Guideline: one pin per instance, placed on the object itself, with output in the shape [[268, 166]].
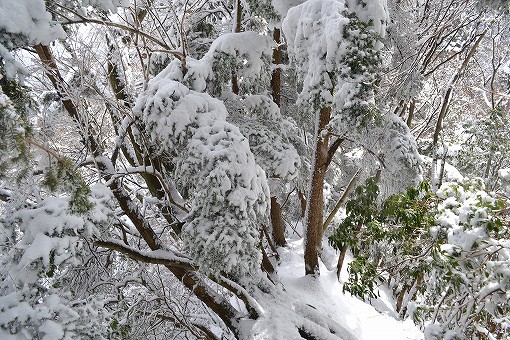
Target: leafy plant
[[443, 255]]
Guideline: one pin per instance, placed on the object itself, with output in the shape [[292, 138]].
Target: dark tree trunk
[[237, 29], [277, 223], [276, 209], [277, 60], [315, 204], [340, 262]]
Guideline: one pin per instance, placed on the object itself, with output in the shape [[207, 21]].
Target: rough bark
[[237, 29], [410, 116], [340, 261], [302, 202], [278, 229], [277, 60], [315, 204]]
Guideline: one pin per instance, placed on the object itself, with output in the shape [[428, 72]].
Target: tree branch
[[342, 199], [160, 257]]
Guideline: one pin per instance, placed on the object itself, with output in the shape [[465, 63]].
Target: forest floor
[[375, 321]]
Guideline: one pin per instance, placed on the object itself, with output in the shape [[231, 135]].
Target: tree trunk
[[277, 60], [340, 262], [277, 223], [410, 116], [488, 166], [442, 167], [276, 210], [302, 203], [315, 204], [237, 29]]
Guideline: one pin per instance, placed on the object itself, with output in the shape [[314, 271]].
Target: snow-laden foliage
[[313, 33], [13, 131], [388, 146], [485, 147], [335, 46], [445, 256], [29, 19], [245, 54], [264, 8], [504, 175], [216, 170], [468, 290], [174, 247], [270, 145], [24, 23], [41, 245]]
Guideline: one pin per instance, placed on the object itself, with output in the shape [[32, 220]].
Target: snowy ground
[[325, 294]]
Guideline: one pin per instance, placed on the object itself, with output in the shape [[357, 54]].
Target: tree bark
[[237, 29], [340, 261], [315, 204], [410, 116], [302, 203], [277, 60], [278, 229]]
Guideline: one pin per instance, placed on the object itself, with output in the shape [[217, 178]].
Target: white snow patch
[[325, 295]]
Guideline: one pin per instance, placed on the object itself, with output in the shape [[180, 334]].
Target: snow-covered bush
[[13, 131], [504, 175], [42, 244], [468, 287], [335, 46], [485, 146], [445, 256], [216, 169], [245, 54], [269, 143]]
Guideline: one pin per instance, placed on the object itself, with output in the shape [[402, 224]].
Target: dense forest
[[167, 164]]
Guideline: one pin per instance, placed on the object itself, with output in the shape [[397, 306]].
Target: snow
[[322, 44], [312, 30], [29, 18], [270, 145], [504, 174], [213, 159], [324, 293], [52, 330], [107, 5], [450, 172], [283, 6], [247, 53]]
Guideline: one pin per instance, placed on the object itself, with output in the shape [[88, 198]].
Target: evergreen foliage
[[443, 255], [135, 197]]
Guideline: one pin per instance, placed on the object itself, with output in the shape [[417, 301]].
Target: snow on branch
[[228, 191], [163, 257]]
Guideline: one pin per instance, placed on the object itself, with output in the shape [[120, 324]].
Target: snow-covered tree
[[155, 154]]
